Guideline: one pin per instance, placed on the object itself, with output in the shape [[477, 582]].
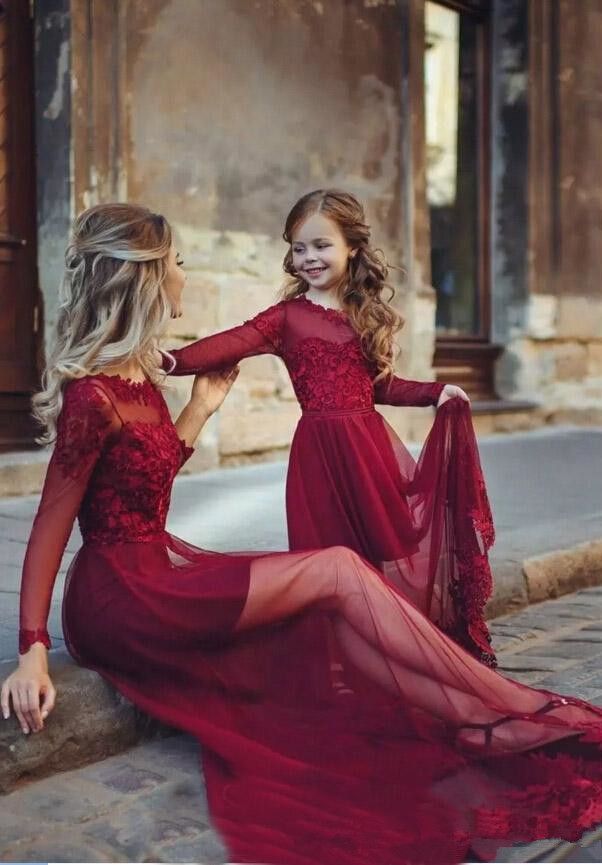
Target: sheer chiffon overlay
[[338, 724], [351, 481]]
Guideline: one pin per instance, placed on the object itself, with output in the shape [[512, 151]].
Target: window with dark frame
[[456, 61]]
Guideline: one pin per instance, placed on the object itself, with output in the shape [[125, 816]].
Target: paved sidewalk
[[544, 487], [149, 805]]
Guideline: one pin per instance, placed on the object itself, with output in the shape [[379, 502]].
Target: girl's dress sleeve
[[259, 335], [86, 421], [401, 391]]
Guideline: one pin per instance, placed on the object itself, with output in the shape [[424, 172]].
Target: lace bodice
[[322, 353], [116, 455]]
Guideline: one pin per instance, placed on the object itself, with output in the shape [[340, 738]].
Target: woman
[[338, 724]]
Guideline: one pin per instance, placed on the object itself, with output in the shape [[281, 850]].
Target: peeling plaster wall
[[233, 113]]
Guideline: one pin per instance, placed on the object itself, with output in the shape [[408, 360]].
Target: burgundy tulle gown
[[351, 481], [338, 725]]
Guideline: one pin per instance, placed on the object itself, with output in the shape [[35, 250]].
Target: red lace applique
[[28, 638], [129, 500], [82, 425], [564, 808], [327, 376], [269, 324]]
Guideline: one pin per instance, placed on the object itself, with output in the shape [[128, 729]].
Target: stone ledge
[[501, 406], [92, 721], [22, 472], [563, 571]]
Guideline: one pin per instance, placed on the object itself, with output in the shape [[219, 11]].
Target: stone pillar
[[417, 297], [556, 358]]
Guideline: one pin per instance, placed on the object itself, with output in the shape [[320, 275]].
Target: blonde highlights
[[361, 294], [112, 305]]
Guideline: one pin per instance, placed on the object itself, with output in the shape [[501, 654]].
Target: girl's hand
[[449, 392], [31, 690], [209, 391]]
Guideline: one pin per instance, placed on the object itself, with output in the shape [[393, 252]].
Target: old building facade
[[471, 130]]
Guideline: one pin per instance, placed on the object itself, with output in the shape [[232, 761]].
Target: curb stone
[[558, 573]]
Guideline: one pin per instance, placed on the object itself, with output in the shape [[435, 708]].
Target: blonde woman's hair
[[112, 305], [361, 293]]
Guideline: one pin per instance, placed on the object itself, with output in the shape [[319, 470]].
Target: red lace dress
[[427, 524], [338, 725]]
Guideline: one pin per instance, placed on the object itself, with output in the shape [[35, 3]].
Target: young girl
[[415, 753], [351, 481]]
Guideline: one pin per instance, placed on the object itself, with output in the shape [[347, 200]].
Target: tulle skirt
[[425, 523], [338, 725]]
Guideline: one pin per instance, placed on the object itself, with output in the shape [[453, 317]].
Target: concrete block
[[571, 361], [594, 359], [542, 312], [555, 574], [201, 309], [579, 317], [258, 430]]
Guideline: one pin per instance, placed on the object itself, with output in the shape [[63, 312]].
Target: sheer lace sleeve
[[260, 335], [401, 391], [85, 423]]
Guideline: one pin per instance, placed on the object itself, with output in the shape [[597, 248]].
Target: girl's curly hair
[[361, 294]]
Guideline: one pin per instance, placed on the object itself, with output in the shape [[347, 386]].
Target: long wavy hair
[[112, 305], [361, 294]]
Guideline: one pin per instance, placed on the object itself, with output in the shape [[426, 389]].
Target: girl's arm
[[86, 421], [401, 391], [260, 335]]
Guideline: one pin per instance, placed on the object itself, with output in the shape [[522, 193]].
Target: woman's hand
[[449, 392], [209, 391], [30, 689]]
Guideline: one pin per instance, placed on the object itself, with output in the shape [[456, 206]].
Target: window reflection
[[452, 166]]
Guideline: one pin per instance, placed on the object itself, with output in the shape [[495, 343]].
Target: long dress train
[[338, 725], [427, 524]]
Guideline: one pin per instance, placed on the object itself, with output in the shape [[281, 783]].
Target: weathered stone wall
[[221, 115], [556, 356]]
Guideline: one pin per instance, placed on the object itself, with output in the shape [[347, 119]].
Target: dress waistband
[[344, 412]]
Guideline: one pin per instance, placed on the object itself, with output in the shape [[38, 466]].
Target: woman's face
[[175, 279], [320, 252]]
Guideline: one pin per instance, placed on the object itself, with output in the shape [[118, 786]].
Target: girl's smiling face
[[320, 252]]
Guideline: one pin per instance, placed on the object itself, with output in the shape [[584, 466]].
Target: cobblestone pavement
[[148, 805]]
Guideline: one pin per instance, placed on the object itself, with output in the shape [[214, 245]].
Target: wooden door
[[19, 295]]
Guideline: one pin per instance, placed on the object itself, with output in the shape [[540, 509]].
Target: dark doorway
[[19, 294]]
